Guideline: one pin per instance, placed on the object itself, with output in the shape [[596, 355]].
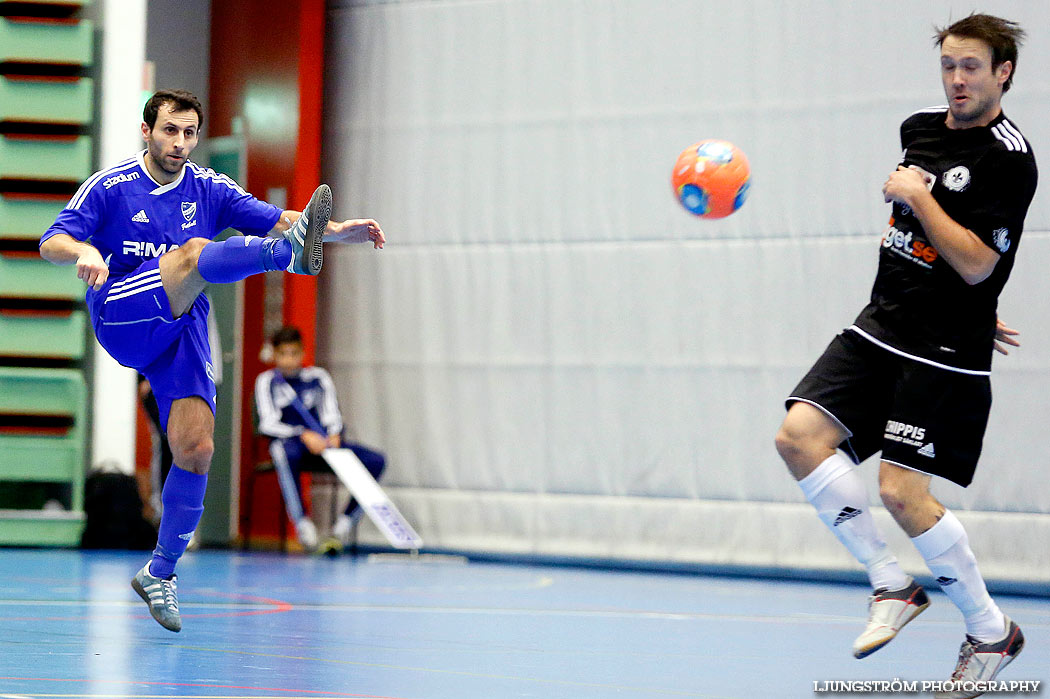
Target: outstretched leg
[[187, 270], [807, 442]]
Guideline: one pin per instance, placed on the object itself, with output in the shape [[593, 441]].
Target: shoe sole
[[137, 587], [313, 240], [868, 650]]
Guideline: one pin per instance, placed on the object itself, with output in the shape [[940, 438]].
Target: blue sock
[[242, 256], [183, 499]]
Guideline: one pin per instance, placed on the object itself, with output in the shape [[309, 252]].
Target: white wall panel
[[556, 357]]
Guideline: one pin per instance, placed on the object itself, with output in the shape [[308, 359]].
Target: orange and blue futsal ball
[[711, 178]]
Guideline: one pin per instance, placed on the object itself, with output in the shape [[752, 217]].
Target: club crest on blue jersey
[[189, 210]]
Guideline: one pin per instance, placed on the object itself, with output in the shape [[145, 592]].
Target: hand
[[355, 230], [335, 441], [91, 268], [1004, 336], [904, 185], [314, 442]]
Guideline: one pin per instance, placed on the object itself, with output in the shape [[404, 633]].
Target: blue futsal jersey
[[130, 218]]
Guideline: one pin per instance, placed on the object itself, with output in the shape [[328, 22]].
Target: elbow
[[977, 268], [45, 249], [977, 273]]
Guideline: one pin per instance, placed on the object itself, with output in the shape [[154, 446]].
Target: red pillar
[[300, 292], [260, 72]]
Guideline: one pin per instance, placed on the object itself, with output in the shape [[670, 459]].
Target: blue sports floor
[[266, 625]]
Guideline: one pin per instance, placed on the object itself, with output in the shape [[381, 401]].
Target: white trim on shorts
[[821, 408], [917, 470], [146, 281], [900, 353]]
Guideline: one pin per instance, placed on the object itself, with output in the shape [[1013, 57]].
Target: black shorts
[[919, 416]]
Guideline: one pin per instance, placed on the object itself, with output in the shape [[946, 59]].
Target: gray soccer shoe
[[889, 611], [307, 234], [979, 663], [162, 597]]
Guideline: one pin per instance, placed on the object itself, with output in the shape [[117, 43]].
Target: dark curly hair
[[1001, 35], [180, 100]]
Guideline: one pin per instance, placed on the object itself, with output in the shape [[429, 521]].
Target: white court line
[[794, 617], [125, 603]]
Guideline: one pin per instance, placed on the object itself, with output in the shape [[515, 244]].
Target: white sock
[[841, 499], [946, 549]]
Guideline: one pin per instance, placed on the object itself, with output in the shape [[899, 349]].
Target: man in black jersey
[[910, 377]]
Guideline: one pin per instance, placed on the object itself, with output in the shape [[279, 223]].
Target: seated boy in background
[[299, 409]]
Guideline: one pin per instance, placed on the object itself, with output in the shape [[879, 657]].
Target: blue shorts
[[132, 318]]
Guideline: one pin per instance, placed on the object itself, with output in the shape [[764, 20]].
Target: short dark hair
[[180, 101], [1001, 35], [285, 335]]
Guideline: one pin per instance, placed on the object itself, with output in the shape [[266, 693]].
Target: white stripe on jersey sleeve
[[1009, 140], [206, 173], [1008, 127], [81, 194]]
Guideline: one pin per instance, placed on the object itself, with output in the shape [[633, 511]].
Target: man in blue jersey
[[298, 408], [140, 236]]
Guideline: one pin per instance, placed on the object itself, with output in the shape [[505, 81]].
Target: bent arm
[[353, 230], [64, 249], [962, 249]]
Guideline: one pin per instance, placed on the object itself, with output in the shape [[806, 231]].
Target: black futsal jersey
[[984, 178]]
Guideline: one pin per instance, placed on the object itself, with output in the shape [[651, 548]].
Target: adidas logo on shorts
[[927, 450], [847, 514]]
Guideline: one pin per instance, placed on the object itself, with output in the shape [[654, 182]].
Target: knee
[[193, 452], [186, 254], [896, 496], [193, 246], [790, 443]]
